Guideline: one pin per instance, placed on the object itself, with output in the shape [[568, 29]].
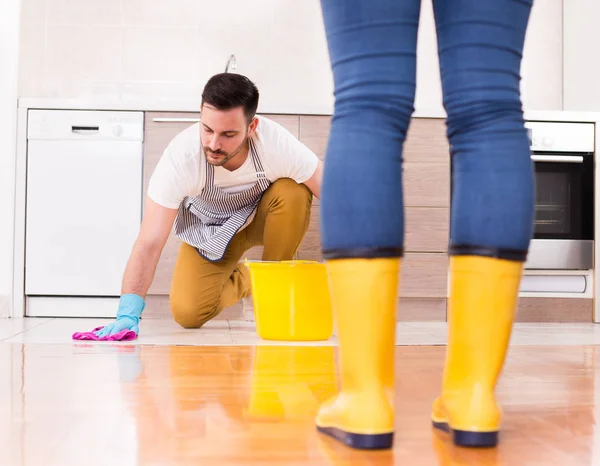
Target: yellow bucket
[[291, 300]]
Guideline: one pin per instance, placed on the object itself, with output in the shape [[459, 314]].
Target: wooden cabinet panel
[[314, 133], [165, 267], [426, 229], [555, 310], [426, 176], [310, 248], [426, 141], [426, 184], [158, 134], [289, 122], [424, 276], [421, 310]]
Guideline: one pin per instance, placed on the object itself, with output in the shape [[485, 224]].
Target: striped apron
[[210, 220]]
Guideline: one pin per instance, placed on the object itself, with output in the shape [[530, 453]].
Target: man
[[228, 183]]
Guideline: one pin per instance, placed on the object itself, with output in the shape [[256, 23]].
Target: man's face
[[223, 133]]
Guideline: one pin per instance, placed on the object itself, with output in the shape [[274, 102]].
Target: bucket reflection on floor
[[290, 382]]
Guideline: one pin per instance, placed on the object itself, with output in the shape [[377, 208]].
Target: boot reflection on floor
[[450, 455]]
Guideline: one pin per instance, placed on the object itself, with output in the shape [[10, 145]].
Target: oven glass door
[[564, 196]]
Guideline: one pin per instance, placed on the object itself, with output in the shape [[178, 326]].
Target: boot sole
[[464, 438], [360, 441]]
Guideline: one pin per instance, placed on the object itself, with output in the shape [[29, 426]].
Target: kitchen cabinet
[[424, 272], [160, 129], [426, 181]]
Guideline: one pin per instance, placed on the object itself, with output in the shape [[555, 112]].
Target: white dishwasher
[[84, 208]]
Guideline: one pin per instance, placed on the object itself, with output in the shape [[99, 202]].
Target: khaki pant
[[201, 289]]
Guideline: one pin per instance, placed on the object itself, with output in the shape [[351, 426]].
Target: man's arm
[[154, 232], [314, 182]]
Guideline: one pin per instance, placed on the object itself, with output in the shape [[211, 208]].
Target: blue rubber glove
[[128, 316]]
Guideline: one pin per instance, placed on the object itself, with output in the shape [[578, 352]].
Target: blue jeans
[[372, 47]]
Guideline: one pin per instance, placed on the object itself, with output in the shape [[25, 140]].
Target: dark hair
[[225, 91]]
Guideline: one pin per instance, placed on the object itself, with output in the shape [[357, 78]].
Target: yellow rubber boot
[[483, 298], [364, 295]]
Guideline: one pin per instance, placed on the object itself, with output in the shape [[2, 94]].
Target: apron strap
[[210, 173], [256, 159]]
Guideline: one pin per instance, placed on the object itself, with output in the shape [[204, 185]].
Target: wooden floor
[[89, 405]]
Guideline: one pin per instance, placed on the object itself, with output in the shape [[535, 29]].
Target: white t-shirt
[[181, 170]]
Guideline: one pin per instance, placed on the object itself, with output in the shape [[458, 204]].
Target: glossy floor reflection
[[103, 404]]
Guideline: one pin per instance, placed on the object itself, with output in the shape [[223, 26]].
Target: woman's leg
[[480, 47], [372, 47]]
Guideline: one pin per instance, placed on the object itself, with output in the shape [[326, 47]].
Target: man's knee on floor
[[192, 315]]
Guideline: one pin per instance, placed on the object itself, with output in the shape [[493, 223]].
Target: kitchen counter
[[137, 103], [176, 104]]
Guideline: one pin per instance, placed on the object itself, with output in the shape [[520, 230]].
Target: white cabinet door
[[84, 202]]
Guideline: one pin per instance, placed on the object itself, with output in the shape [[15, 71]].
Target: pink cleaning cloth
[[123, 335]]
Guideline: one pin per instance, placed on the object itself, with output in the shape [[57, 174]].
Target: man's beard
[[224, 157]]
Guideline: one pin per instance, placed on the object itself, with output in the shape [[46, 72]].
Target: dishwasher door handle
[[85, 129]]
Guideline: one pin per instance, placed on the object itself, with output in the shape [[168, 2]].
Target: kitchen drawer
[[310, 248], [426, 229], [425, 141], [424, 275], [160, 129], [289, 122], [314, 133], [426, 184]]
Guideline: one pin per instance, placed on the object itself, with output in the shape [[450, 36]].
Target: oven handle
[[558, 158]]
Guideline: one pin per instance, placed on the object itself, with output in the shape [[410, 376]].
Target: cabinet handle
[[176, 120]]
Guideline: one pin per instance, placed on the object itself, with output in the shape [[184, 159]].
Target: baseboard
[[5, 306], [57, 306], [422, 310], [555, 310]]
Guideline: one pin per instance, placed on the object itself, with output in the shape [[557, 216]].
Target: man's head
[[229, 103]]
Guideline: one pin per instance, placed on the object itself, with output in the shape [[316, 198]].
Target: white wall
[[582, 55], [541, 69], [9, 48], [167, 50]]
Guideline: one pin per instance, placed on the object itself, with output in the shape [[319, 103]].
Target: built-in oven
[[563, 156]]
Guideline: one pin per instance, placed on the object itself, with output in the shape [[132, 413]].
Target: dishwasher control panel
[[85, 125]]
